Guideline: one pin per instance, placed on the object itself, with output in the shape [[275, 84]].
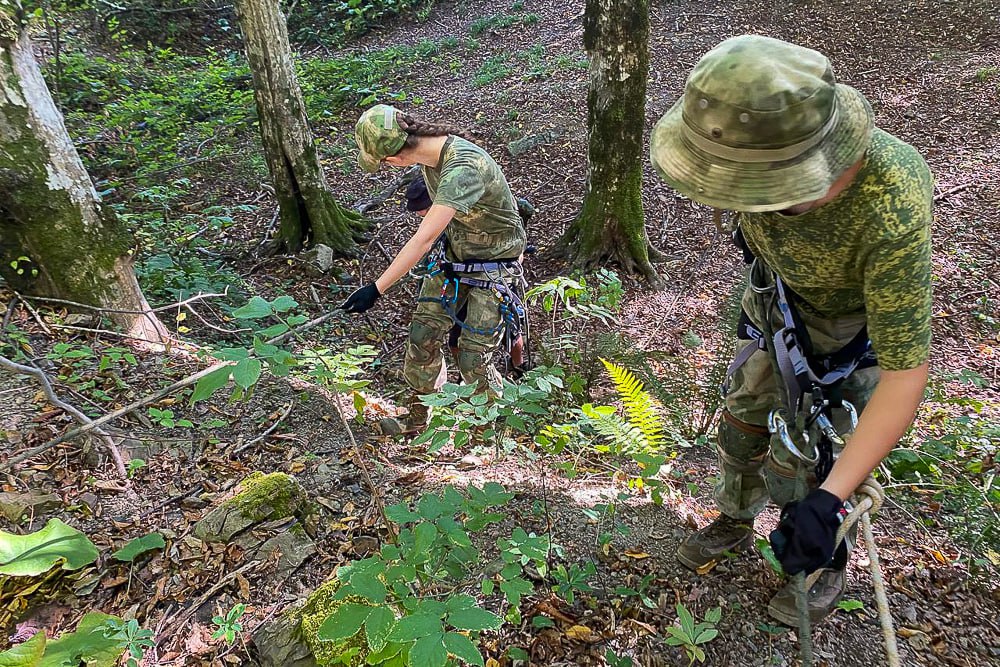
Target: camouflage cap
[[378, 136], [762, 125]]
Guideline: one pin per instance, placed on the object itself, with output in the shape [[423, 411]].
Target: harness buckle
[[776, 424]]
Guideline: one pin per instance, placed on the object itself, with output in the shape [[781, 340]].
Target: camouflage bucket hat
[[378, 136], [762, 125]]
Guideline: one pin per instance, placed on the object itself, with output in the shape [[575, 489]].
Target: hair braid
[[419, 128]]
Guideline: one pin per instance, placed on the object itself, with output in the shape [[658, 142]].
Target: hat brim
[[762, 186], [368, 162]]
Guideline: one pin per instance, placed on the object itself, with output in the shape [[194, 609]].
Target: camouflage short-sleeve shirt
[[868, 250], [486, 223]]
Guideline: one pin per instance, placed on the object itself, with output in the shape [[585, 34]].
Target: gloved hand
[[804, 538], [361, 299]]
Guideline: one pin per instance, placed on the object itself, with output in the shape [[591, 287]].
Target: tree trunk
[[611, 224], [55, 237], [308, 212]]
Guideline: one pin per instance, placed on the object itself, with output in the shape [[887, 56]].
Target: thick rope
[[871, 496]]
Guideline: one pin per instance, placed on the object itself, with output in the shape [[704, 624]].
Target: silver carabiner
[[777, 424], [766, 289], [852, 412]]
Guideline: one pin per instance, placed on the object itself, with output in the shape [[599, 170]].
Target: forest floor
[[932, 73]]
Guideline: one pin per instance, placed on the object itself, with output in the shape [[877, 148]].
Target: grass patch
[[500, 21], [985, 73], [492, 70]]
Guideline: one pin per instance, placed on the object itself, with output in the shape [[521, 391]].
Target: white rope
[[871, 496]]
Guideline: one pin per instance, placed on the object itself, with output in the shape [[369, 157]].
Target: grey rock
[[279, 643], [291, 548], [321, 256], [531, 141]]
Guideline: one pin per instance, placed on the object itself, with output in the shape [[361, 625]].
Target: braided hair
[[417, 128]]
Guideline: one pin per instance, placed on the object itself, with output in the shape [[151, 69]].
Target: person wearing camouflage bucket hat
[[468, 202], [837, 213]]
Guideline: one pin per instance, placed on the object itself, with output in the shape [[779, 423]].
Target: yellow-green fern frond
[[641, 409]]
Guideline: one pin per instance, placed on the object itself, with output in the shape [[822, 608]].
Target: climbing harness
[[505, 279], [802, 373]]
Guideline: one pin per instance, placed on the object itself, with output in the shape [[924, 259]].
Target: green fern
[[641, 409]]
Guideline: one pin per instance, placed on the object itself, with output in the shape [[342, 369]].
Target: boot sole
[[695, 565]]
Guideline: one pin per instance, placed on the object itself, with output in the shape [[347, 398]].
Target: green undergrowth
[[951, 469], [323, 22]]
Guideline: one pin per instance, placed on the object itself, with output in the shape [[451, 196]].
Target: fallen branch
[[155, 396], [946, 193], [266, 433], [404, 178], [87, 422]]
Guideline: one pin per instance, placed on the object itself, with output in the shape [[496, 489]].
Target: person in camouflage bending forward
[[474, 207], [839, 211]]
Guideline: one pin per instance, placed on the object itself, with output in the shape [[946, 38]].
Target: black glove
[[804, 538], [361, 299]]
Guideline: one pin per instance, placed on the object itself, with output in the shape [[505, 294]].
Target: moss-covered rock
[[293, 638], [261, 498]]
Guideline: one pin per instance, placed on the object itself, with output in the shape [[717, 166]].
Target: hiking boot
[[823, 598], [708, 545], [413, 422]]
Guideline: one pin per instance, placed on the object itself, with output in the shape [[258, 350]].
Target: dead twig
[[269, 431], [81, 418], [951, 191]]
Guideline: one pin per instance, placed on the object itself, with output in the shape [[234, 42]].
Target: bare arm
[[883, 422], [427, 233]]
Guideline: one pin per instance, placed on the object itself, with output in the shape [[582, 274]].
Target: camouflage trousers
[[424, 364], [753, 464]]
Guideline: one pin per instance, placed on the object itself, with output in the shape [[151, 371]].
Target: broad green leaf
[[687, 621], [462, 647], [400, 513], [764, 547], [344, 622], [713, 615], [26, 654], [139, 546], [367, 586], [87, 645], [850, 605], [456, 602], [273, 330], [423, 536], [35, 553], [385, 655], [429, 651], [430, 506], [247, 372], [254, 309], [283, 303], [706, 636], [378, 626], [474, 618], [415, 626], [212, 382]]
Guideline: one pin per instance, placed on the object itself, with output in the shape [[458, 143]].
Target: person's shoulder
[[891, 153], [467, 152]]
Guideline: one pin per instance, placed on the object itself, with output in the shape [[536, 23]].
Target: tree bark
[[611, 224], [56, 239], [308, 212]]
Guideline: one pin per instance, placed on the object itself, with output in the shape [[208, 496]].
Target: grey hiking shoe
[[823, 598], [708, 545]]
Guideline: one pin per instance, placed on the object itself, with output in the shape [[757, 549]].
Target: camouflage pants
[[424, 365], [754, 465]]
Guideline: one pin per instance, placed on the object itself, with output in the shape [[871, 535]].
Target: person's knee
[[741, 443], [423, 334]]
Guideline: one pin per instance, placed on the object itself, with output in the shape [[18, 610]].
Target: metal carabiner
[[766, 289], [777, 424]]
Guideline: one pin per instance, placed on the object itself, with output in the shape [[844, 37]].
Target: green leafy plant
[[690, 635], [390, 596], [166, 419], [129, 636], [229, 625], [139, 546], [55, 544], [134, 466], [850, 605]]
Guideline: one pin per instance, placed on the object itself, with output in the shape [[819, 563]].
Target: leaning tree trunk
[[56, 239], [308, 212], [611, 224]]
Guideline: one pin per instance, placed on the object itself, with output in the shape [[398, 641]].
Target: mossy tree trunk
[[611, 224], [56, 239], [307, 209]]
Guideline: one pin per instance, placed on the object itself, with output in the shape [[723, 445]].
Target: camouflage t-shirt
[[868, 250], [486, 223]]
